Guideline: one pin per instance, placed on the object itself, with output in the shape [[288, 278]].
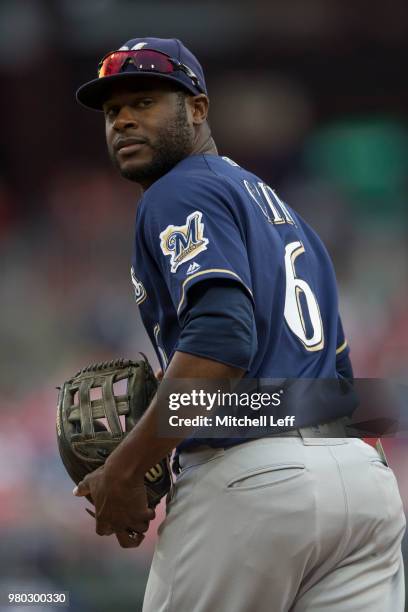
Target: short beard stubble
[[173, 143]]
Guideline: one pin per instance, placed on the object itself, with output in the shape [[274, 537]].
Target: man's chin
[[135, 172], [146, 173]]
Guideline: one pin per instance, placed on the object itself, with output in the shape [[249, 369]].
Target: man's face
[[147, 130]]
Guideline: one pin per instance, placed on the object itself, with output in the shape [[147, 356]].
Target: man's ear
[[198, 107]]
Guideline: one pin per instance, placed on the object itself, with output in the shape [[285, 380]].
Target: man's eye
[[144, 103]]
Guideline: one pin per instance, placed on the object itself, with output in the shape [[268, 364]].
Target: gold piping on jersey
[[341, 347], [140, 291], [160, 348]]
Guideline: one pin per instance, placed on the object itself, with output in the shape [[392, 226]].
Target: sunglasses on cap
[[145, 60]]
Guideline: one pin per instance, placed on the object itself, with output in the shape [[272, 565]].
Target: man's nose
[[125, 118]]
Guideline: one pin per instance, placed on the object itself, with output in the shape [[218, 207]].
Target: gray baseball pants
[[281, 524]]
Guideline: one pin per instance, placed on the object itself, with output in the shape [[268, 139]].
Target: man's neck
[[207, 147]]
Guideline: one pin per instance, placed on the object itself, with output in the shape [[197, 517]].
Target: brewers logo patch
[[140, 291], [184, 242]]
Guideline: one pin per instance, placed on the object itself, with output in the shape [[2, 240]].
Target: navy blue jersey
[[209, 218]]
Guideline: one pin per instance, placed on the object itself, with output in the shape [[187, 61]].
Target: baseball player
[[232, 283]]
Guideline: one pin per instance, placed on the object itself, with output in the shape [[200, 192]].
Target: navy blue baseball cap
[[179, 66]]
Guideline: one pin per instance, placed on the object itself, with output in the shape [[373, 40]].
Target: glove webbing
[[110, 406]]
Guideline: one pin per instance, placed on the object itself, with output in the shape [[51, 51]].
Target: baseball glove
[[96, 409]]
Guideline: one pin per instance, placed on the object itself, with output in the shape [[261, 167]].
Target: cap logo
[[135, 47], [139, 46]]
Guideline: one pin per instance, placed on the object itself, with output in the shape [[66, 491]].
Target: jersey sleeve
[[193, 232], [210, 330]]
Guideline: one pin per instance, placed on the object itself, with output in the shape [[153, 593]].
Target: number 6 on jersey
[[293, 309]]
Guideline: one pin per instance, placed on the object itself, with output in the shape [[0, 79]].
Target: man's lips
[[129, 145]]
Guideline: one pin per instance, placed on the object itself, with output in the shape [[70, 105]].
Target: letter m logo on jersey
[[184, 242]]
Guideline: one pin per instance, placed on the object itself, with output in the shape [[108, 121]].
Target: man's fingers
[[142, 526], [138, 522], [103, 529], [81, 489], [137, 526], [126, 541]]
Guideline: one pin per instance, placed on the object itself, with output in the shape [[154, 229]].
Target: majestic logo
[[193, 268], [184, 242], [140, 291]]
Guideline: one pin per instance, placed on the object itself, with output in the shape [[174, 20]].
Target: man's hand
[[120, 505], [117, 488]]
